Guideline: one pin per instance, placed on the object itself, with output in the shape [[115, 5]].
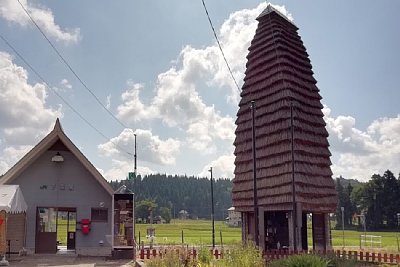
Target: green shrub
[[204, 255], [169, 259], [337, 262], [302, 260], [242, 256], [172, 258]]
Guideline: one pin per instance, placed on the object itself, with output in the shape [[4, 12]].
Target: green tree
[[182, 193], [344, 200], [143, 207], [166, 214], [390, 199], [341, 200]]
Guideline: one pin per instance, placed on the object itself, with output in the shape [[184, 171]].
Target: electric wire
[[71, 69], [219, 45], [46, 84]]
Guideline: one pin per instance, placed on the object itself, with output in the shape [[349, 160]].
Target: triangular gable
[[56, 135]]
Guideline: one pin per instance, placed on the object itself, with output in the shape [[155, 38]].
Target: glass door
[[46, 230]]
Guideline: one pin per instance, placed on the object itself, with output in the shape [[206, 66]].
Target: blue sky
[[156, 67]]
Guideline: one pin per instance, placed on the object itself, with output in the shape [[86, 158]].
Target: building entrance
[[55, 229]]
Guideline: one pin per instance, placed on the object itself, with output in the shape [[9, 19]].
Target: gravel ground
[[66, 260]]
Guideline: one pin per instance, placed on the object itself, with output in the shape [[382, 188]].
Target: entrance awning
[[11, 199]]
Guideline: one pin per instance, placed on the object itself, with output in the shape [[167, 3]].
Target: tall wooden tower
[[292, 158]]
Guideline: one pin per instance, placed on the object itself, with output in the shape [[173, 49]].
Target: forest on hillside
[[378, 199], [176, 193]]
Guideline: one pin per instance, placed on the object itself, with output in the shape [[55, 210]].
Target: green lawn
[[352, 239], [194, 232], [199, 232]]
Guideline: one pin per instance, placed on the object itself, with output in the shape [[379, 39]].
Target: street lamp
[[212, 207], [342, 209]]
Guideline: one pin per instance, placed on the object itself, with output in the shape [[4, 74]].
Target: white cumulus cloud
[[223, 167], [120, 169], [151, 148], [359, 154], [12, 11], [178, 101], [10, 155], [25, 117], [108, 102], [65, 83], [132, 109]]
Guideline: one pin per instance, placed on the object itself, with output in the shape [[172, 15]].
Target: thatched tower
[[279, 79]]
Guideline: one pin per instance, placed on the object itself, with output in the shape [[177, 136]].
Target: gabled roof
[[56, 134]]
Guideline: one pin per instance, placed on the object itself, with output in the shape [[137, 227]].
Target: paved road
[[66, 260]]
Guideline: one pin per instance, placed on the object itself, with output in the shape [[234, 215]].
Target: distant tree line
[[378, 200], [167, 195]]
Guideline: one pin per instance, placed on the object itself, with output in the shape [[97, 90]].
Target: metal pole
[[212, 207], [294, 217], [133, 203], [365, 230], [256, 230], [342, 208], [135, 159]]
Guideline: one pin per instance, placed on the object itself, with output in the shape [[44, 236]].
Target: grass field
[[197, 232]]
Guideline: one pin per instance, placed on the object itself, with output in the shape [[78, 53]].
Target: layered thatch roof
[[278, 75]]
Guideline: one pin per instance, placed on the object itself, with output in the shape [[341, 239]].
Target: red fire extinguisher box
[[85, 226]]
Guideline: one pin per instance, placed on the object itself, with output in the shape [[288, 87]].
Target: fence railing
[[269, 255], [191, 253], [362, 256]]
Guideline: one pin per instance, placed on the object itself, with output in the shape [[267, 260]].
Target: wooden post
[[142, 254], [220, 236], [182, 237]]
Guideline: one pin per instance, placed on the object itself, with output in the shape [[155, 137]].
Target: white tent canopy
[[11, 199]]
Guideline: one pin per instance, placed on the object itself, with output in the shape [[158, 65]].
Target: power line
[[70, 68], [219, 45], [62, 98]]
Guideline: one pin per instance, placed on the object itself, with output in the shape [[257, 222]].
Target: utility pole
[[255, 203], [294, 214], [212, 208], [133, 202], [135, 159]]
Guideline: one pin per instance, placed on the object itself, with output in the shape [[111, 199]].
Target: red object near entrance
[[85, 226]]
